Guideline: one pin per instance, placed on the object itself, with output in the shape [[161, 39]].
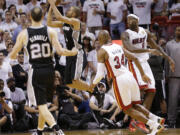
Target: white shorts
[[147, 70], [126, 91]]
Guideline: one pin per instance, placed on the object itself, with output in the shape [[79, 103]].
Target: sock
[[153, 117], [56, 127], [151, 124]]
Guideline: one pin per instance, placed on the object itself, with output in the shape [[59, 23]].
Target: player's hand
[[155, 52], [172, 64], [52, 2], [146, 79], [74, 51]]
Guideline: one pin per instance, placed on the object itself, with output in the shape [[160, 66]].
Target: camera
[[2, 94], [61, 91]]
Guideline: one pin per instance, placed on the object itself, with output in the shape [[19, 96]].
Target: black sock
[[55, 127]]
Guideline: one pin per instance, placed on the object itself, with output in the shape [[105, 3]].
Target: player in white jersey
[[111, 57], [135, 39]]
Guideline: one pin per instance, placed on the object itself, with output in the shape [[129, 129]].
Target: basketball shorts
[[74, 67], [40, 85], [147, 70], [126, 91]]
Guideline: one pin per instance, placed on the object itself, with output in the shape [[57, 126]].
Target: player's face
[[102, 88], [132, 23]]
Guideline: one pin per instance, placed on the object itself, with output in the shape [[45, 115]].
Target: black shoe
[[110, 123]]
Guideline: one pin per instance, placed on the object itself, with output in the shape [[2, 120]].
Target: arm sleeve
[[100, 73]]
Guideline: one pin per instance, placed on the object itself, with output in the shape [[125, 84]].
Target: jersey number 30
[[119, 62], [39, 51]]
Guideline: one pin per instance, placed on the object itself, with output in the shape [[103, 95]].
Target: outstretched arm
[[52, 23], [130, 56], [153, 45], [58, 47], [72, 21], [127, 44], [18, 45]]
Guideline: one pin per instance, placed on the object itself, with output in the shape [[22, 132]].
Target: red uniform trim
[[151, 90]]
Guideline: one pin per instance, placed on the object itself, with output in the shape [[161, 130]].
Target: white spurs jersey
[[139, 40], [116, 61]]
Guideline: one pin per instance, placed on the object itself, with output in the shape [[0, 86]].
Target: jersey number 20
[[39, 51]]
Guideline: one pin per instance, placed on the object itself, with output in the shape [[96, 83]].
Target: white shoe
[[156, 129]]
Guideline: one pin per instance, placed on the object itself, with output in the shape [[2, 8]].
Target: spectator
[[93, 9], [142, 8], [66, 5], [8, 24], [23, 25], [175, 9], [173, 49], [68, 112], [2, 7], [17, 94], [32, 4], [161, 8], [76, 3], [21, 8], [12, 9], [102, 105], [5, 111], [85, 32], [117, 12], [19, 72], [44, 7], [10, 2], [5, 89], [5, 69]]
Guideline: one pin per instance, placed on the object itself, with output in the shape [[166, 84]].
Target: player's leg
[[41, 122], [149, 97]]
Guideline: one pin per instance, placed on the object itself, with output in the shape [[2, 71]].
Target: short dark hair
[[10, 80], [36, 14]]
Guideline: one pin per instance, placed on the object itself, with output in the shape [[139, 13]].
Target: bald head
[[103, 37], [36, 14]]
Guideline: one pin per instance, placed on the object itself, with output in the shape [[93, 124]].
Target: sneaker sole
[[142, 130]]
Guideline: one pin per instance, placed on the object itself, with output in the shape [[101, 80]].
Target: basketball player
[[72, 33], [135, 40], [126, 90], [39, 41]]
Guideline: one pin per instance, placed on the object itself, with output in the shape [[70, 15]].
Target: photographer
[[5, 111], [103, 106], [68, 112]]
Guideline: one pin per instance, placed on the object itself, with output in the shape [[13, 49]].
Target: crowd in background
[[79, 109]]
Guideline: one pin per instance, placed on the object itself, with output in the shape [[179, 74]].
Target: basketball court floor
[[107, 132]]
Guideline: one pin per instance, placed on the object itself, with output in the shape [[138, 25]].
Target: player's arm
[[52, 23], [153, 45], [131, 56], [127, 44], [101, 56], [72, 21], [18, 45], [58, 47]]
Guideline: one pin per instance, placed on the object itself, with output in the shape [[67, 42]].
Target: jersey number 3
[[39, 51], [118, 62]]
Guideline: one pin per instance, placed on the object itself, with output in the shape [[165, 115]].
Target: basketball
[[57, 2]]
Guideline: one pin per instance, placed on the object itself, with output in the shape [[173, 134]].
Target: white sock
[[151, 123], [153, 117]]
